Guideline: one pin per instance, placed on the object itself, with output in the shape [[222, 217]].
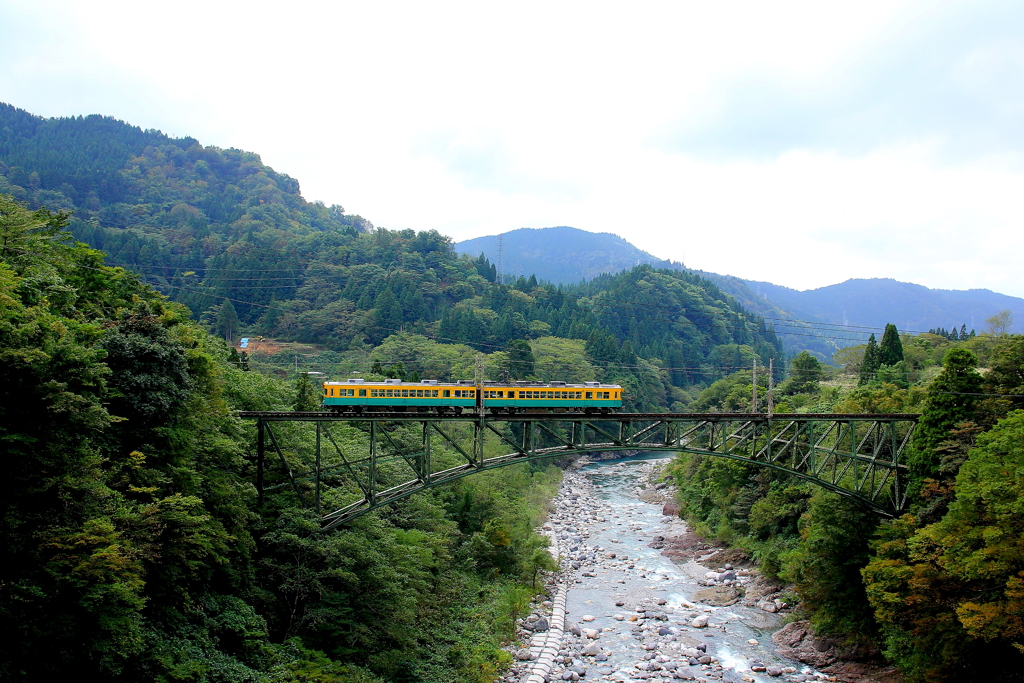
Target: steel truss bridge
[[376, 462]]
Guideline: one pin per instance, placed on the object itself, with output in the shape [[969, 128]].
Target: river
[[630, 612]]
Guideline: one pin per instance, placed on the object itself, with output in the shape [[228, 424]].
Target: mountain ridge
[[857, 302]]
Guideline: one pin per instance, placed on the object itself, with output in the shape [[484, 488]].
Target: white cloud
[[802, 143]]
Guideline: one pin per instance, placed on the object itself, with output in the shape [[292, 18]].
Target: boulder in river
[[718, 596], [795, 641]]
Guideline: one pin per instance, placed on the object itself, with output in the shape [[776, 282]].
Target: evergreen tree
[[307, 398], [952, 401], [869, 366], [890, 351], [227, 322], [387, 316], [520, 362]]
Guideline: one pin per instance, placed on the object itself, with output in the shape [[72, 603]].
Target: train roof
[[470, 383]]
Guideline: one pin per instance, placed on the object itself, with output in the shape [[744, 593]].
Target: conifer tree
[[952, 401], [227, 321], [890, 351], [869, 366], [520, 364], [306, 395]]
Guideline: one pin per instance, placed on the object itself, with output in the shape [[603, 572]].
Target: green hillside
[[235, 241]]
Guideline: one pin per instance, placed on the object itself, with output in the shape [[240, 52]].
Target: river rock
[[700, 621], [795, 641], [589, 617], [718, 596], [523, 655], [592, 649]]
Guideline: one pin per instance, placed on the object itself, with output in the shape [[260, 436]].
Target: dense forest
[[133, 544], [939, 591], [235, 242]]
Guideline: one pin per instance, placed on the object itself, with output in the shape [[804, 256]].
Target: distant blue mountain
[[875, 302], [567, 255]]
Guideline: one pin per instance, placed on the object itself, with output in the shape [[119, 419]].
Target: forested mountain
[[235, 241], [562, 255], [570, 255]]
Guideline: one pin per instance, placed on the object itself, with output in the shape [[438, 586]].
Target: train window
[[590, 394], [447, 393], [362, 392]]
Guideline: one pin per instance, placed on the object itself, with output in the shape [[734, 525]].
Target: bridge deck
[[534, 417]]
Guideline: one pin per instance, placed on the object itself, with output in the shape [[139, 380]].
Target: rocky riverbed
[[641, 598]]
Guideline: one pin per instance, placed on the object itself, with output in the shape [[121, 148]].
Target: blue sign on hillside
[[244, 343]]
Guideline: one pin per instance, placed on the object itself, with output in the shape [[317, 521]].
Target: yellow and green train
[[357, 396]]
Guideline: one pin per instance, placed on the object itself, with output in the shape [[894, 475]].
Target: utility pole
[[754, 410], [479, 381], [771, 386]]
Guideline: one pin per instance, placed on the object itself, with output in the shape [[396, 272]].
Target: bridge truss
[[348, 465]]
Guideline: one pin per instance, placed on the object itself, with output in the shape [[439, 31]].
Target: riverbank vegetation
[[131, 544], [939, 590]]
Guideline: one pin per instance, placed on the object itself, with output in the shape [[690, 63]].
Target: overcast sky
[[802, 143]]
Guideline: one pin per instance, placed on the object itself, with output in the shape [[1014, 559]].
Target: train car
[[357, 395]]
